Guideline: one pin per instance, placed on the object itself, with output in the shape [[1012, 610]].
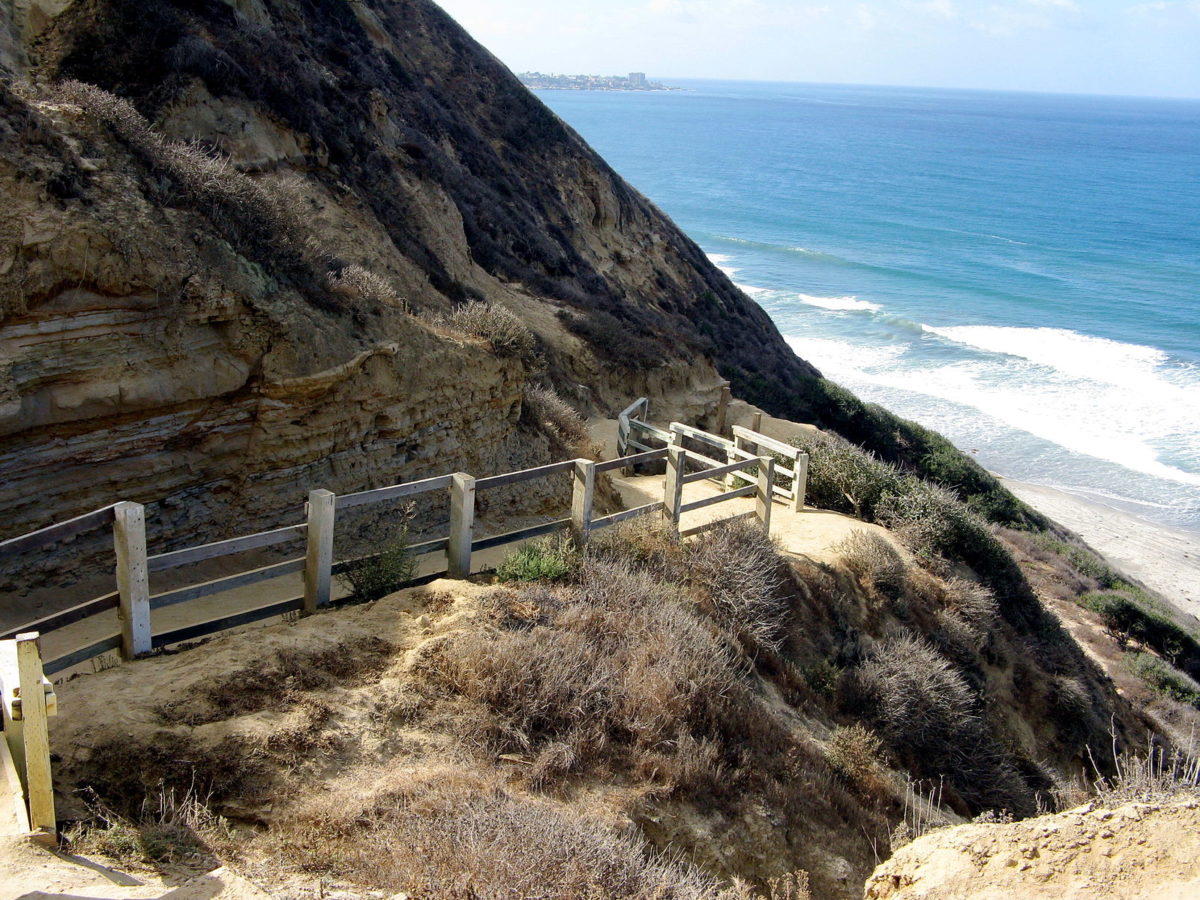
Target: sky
[[1056, 46]]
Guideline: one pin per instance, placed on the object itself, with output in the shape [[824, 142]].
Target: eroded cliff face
[[188, 334]]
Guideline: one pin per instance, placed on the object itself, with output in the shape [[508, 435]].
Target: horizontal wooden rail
[[395, 492], [627, 514], [715, 523], [653, 430], [83, 654], [702, 436], [499, 540], [763, 441], [212, 626], [636, 459], [524, 475], [747, 491], [51, 533], [58, 620], [228, 583], [422, 549], [720, 471], [164, 561]]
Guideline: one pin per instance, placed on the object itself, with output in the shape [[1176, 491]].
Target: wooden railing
[[136, 603]]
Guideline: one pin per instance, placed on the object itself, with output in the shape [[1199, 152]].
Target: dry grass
[[1159, 775], [855, 752], [616, 666], [357, 283], [459, 834], [874, 561], [558, 418], [500, 327], [741, 577]]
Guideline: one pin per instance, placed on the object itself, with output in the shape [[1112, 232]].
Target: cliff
[[209, 294]]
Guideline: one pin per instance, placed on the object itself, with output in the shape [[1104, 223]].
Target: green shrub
[[379, 574], [844, 477], [1124, 615], [1164, 678], [549, 559]]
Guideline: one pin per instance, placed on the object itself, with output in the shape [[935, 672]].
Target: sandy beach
[[1164, 559]]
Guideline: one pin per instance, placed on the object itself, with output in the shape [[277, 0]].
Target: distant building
[[638, 80]]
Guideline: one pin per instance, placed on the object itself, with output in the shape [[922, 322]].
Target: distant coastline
[[634, 81]]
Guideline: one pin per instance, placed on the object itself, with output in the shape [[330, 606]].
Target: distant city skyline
[[1057, 46]]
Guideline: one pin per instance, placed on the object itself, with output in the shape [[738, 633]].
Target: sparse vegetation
[[548, 559], [874, 560], [387, 569], [1164, 678]]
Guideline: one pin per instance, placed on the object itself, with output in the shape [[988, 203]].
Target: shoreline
[[1165, 559]]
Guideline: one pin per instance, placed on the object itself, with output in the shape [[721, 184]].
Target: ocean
[[1020, 272]]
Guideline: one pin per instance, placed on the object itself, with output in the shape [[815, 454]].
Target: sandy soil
[[1147, 852], [1166, 560], [31, 872]]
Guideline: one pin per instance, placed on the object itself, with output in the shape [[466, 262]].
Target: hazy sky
[[1075, 46]]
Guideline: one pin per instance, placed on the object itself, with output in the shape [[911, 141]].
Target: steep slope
[[238, 335]]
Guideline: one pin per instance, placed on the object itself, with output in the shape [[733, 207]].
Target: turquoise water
[[1020, 272]]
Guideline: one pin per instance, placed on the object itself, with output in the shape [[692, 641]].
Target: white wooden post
[[800, 482], [766, 486], [133, 579], [583, 494], [318, 562], [756, 422], [39, 788], [462, 525], [732, 479], [673, 487]]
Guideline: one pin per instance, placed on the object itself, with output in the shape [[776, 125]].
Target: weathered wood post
[[462, 525], [673, 487], [766, 486], [732, 479], [39, 789], [756, 421], [318, 562], [583, 494], [723, 408], [133, 579], [800, 482]]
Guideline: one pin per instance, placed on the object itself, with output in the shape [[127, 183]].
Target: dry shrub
[[843, 476], [855, 752], [618, 660], [930, 719], [462, 835], [358, 283], [742, 576], [1158, 776], [874, 561], [557, 417], [241, 207], [500, 327]]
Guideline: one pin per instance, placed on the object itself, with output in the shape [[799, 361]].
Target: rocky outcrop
[[1137, 851]]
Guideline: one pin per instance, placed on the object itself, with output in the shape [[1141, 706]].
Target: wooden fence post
[[756, 422], [462, 525], [39, 789], [766, 487], [800, 482], [732, 479], [133, 579], [583, 494], [318, 562], [673, 487], [723, 408]]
